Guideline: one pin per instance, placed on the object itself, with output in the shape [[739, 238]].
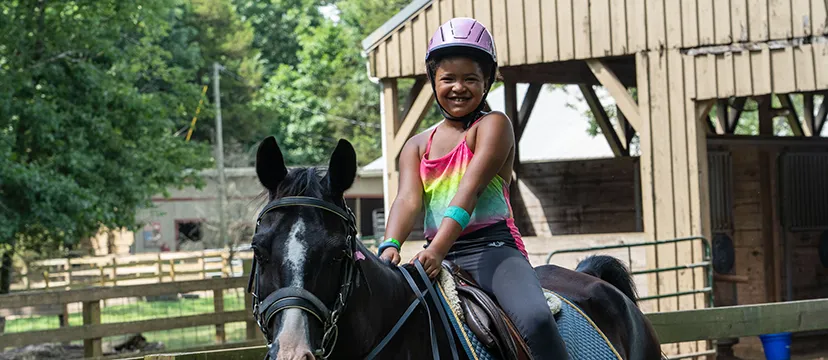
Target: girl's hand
[[392, 255], [432, 260]]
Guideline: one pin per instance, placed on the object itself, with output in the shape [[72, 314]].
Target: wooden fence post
[[252, 328], [218, 307], [92, 316], [160, 270], [172, 270]]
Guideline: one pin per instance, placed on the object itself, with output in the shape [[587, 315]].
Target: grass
[[141, 310]]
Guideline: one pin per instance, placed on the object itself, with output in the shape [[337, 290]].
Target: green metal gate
[[706, 264]]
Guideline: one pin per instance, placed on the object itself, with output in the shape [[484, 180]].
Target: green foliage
[[87, 109]]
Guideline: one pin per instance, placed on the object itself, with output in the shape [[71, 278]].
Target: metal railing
[[705, 264]]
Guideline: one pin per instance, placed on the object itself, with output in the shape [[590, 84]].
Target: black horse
[[320, 293]]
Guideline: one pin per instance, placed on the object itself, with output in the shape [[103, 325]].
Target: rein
[[298, 298]]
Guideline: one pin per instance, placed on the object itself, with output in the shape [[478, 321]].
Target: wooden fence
[[672, 327], [92, 331], [136, 269]]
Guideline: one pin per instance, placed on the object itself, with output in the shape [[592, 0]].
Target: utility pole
[[220, 157]]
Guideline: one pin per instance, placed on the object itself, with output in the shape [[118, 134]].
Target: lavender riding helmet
[[464, 36]]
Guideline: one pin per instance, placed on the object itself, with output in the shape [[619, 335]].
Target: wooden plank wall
[[801, 68], [579, 197], [538, 31], [673, 176]]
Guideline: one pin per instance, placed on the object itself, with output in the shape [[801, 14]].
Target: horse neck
[[375, 306]]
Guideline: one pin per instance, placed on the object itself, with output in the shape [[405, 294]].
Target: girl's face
[[459, 85]]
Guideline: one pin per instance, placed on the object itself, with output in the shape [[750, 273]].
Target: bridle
[[299, 298]]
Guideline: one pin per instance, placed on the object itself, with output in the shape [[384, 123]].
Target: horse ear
[[270, 164], [342, 168]]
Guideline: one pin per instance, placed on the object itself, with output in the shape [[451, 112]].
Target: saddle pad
[[584, 340]]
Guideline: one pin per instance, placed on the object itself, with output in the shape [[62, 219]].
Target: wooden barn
[[725, 102]]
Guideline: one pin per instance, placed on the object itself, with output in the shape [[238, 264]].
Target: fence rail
[[93, 331], [74, 273], [671, 327]]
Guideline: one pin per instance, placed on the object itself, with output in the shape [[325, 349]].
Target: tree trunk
[[5, 280]]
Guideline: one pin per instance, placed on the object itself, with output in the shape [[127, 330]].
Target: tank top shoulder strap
[[428, 145]]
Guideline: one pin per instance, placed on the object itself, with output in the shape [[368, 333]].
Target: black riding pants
[[506, 275]]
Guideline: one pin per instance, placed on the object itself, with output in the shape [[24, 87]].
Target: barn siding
[[674, 174], [762, 72], [578, 197], [535, 31]]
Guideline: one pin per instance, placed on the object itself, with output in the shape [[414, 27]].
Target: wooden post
[[770, 242], [160, 270], [68, 275], [92, 316], [511, 102], [252, 328], [103, 275], [25, 275], [63, 318], [114, 272], [202, 263], [218, 307], [225, 272], [389, 114], [172, 270]]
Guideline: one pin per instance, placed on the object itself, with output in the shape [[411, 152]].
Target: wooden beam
[[740, 321], [97, 331], [703, 111], [510, 102], [412, 95], [619, 92], [808, 115], [603, 121], [711, 126], [819, 122], [50, 297], [721, 116], [412, 121], [624, 129], [526, 108], [241, 353], [389, 119], [791, 115], [733, 119]]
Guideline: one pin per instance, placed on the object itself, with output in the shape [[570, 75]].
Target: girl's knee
[[537, 320]]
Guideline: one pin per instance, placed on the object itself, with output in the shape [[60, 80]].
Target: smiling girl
[[460, 172]]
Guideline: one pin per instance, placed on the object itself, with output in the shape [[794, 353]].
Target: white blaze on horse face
[[295, 253], [292, 336]]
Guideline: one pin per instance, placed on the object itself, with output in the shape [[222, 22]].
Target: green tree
[[88, 105]]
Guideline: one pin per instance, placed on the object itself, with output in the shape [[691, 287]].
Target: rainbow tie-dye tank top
[[441, 179]]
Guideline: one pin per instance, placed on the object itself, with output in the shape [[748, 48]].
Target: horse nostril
[[307, 356]]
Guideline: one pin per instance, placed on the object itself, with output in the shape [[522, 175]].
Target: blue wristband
[[385, 245], [459, 215]]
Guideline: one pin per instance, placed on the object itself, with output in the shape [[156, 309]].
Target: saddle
[[485, 318]]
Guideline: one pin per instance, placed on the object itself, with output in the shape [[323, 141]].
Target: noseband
[[298, 298]]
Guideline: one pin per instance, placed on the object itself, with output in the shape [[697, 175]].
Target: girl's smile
[[460, 85]]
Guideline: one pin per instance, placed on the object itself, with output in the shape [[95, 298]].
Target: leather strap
[[440, 310], [296, 298], [419, 300], [306, 201]]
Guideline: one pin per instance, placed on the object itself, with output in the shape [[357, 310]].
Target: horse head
[[304, 247]]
